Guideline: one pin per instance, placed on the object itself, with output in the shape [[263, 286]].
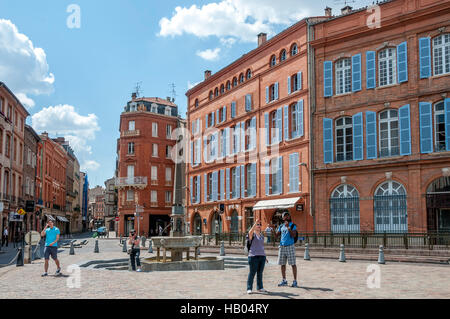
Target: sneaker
[[262, 290], [139, 270], [249, 292], [44, 274], [294, 284], [58, 272], [283, 283]]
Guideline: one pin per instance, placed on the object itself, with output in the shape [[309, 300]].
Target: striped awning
[[62, 219], [50, 217], [282, 203]]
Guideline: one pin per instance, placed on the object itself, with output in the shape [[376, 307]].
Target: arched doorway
[[344, 209], [234, 224], [390, 208], [197, 230], [438, 205], [216, 224]]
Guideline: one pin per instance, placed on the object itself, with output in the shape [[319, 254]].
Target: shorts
[[51, 251], [286, 253]]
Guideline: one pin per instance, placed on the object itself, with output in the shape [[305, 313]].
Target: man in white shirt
[[268, 231], [5, 237]]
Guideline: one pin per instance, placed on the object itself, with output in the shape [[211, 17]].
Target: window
[[131, 148], [235, 139], [233, 183], [169, 131], [196, 102], [295, 82], [344, 139], [154, 108], [390, 208], [130, 195], [15, 149], [293, 120], [389, 137], [228, 85], [241, 78], [344, 209], [168, 111], [2, 103], [273, 181], [248, 125], [209, 186], [283, 55], [249, 74], [131, 126], [439, 126], [168, 151], [216, 92], [154, 129], [211, 95], [235, 82], [222, 89], [195, 187], [441, 54], [387, 67], [273, 127], [343, 76], [168, 197], [294, 49], [154, 197], [272, 92], [273, 61], [168, 174], [155, 150], [154, 173]]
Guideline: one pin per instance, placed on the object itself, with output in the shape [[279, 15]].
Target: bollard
[[150, 246], [129, 265], [96, 250], [120, 239], [72, 249], [307, 257], [222, 248], [342, 254], [143, 239], [124, 247], [19, 262], [381, 255], [198, 250], [37, 255]]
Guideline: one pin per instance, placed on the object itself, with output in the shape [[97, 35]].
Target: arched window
[[344, 209], [249, 74], [387, 67], [283, 55], [228, 85], [294, 49], [241, 78], [439, 126], [390, 208], [222, 89], [343, 76], [211, 95], [216, 92], [235, 82], [438, 213], [216, 224], [441, 54], [196, 102], [344, 139], [273, 60], [389, 133]]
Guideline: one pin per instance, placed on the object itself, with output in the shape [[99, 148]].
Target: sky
[[74, 64]]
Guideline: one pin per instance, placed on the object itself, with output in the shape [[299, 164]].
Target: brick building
[[381, 109], [32, 140], [145, 167], [110, 204]]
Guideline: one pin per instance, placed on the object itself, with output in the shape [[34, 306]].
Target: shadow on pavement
[[321, 289]]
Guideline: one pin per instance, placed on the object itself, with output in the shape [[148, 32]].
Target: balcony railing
[[131, 133], [138, 181]]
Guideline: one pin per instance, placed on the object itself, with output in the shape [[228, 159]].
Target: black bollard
[[72, 249], [96, 250], [19, 262]]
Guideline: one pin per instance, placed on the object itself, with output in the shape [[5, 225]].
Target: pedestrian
[[135, 252], [5, 236], [286, 250], [160, 230], [256, 257], [51, 234], [268, 231]]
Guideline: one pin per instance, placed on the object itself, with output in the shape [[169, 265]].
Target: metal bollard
[[342, 254], [37, 255], [72, 249], [150, 246], [96, 250], [307, 257], [222, 248], [124, 247], [381, 255], [19, 262], [120, 239]]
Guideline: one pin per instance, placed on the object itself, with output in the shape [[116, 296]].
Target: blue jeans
[[256, 264], [135, 258]]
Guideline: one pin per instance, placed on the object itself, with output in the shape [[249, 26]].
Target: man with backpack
[[286, 251]]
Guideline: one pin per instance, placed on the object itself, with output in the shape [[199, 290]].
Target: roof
[[154, 100], [14, 96]]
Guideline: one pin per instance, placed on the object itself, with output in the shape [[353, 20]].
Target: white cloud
[[209, 55], [242, 19], [23, 67], [89, 165], [227, 42], [63, 120]]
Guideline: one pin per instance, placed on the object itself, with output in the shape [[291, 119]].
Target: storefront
[[270, 211]]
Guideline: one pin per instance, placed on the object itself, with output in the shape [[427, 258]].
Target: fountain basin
[[202, 263], [177, 242]]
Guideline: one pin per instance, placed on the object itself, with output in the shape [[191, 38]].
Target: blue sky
[[76, 81]]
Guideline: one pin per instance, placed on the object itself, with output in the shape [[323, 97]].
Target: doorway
[[197, 225], [159, 225]]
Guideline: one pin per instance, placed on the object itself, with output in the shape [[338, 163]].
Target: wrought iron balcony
[[137, 181], [130, 133]]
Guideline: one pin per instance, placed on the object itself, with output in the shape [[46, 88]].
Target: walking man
[[51, 234], [286, 251], [5, 236]]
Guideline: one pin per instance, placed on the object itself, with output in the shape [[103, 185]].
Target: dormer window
[[168, 111], [154, 108]]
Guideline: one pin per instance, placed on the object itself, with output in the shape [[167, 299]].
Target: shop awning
[[282, 203], [62, 219], [50, 217]]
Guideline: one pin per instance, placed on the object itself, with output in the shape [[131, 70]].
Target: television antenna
[[172, 91], [137, 89], [344, 2]]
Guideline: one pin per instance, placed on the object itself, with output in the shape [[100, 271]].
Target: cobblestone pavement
[[317, 279]]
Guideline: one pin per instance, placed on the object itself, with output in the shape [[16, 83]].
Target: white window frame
[[131, 125], [169, 131], [389, 120], [387, 67], [344, 128], [130, 195], [154, 173], [168, 174], [343, 76], [153, 196], [154, 148], [441, 54], [438, 113], [131, 148], [154, 129]]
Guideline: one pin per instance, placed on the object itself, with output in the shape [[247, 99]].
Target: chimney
[[168, 98], [328, 12], [133, 96], [262, 38], [207, 74], [346, 10]]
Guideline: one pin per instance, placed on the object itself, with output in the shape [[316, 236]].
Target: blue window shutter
[[238, 181], [267, 176], [299, 81], [191, 183], [224, 113], [253, 133], [289, 85], [233, 110], [222, 184], [280, 124], [371, 134], [213, 120], [286, 122], [205, 189], [425, 57], [356, 73], [206, 121], [300, 126], [293, 172], [248, 102], [447, 124], [243, 185], [192, 153], [218, 119], [370, 70], [227, 141], [327, 140], [227, 186], [402, 62], [276, 91], [405, 130], [205, 149], [215, 186], [266, 124], [328, 78], [253, 179], [198, 188], [199, 151], [267, 95], [358, 149], [243, 133], [280, 175], [238, 138], [426, 128]]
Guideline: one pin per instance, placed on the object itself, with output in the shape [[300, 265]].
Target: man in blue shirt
[[286, 251], [51, 234]]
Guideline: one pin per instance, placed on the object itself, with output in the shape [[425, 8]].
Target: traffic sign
[[21, 212], [117, 219]]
